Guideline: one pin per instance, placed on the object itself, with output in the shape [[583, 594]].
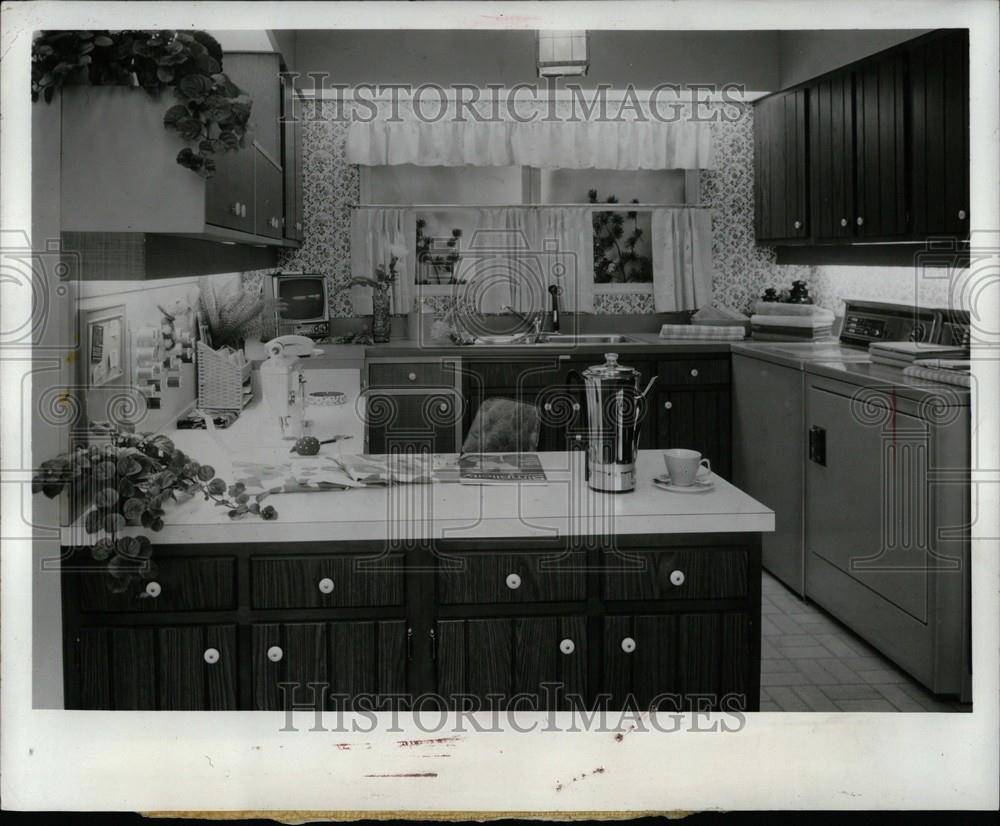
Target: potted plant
[[210, 112], [129, 481], [381, 284]]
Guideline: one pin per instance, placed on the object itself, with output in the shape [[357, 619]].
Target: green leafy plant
[[383, 277], [213, 111], [129, 481], [616, 259], [437, 259], [230, 309]]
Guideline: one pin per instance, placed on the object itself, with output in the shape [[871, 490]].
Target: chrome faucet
[[535, 323]]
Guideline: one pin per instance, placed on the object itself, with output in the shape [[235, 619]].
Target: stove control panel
[[868, 321]]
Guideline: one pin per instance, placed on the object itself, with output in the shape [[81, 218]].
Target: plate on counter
[[702, 484]]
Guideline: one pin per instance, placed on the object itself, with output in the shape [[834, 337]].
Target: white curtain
[[561, 241], [377, 235], [682, 258], [547, 144], [491, 259]]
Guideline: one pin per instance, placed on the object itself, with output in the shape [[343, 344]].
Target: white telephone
[[282, 383]]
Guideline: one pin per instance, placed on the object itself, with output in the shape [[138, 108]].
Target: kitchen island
[[546, 595]]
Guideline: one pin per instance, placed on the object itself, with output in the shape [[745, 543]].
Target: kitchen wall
[[806, 54]]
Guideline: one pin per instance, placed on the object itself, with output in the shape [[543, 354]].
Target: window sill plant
[[130, 479]]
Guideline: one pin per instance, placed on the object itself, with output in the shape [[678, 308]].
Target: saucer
[[701, 484]]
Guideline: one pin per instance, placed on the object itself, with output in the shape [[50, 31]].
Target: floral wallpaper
[[742, 269]]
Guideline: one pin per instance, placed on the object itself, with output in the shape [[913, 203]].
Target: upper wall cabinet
[[119, 173], [780, 164], [887, 157], [938, 101]]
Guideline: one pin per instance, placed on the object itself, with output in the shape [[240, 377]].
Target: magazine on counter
[[323, 473], [499, 468]]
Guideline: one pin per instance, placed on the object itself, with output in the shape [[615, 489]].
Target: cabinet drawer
[[185, 584], [412, 374], [326, 581], [695, 371], [511, 577], [680, 574]]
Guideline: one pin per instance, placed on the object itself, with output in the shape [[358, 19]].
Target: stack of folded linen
[[702, 332], [947, 371], [775, 321], [905, 353]]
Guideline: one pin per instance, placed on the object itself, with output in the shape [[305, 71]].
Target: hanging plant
[[213, 111], [129, 480]]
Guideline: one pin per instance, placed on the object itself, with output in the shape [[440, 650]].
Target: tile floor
[[810, 662]]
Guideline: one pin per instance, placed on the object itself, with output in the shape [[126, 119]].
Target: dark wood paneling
[[698, 420], [293, 582], [94, 664], [831, 158], [366, 658], [267, 196], [780, 167], [186, 680], [441, 373], [187, 584], [304, 652], [691, 371], [645, 575], [419, 422], [639, 676], [133, 669], [699, 658], [481, 577]]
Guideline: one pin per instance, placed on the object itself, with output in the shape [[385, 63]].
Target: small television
[[301, 304]]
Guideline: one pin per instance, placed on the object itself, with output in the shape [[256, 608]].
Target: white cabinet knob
[[298, 225], [861, 221], [576, 407], [628, 645], [513, 581], [412, 376], [676, 577], [235, 208], [567, 646], [667, 405], [211, 655], [798, 225], [961, 215], [547, 407], [843, 222], [274, 653], [694, 372], [443, 407], [325, 585], [153, 589]]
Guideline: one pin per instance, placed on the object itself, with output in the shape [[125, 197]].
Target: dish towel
[[782, 308], [702, 332], [956, 377]]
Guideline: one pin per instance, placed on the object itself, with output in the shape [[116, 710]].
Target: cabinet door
[[939, 109], [831, 158], [229, 194], [677, 662], [144, 669], [259, 75], [292, 165], [267, 196], [289, 665], [368, 665], [413, 421], [880, 149], [697, 419], [780, 179], [542, 659]]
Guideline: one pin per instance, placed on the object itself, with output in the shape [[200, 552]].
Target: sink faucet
[[536, 323], [555, 291]]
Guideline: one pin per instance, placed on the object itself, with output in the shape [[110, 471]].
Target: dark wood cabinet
[[781, 180], [268, 204], [413, 422], [171, 668], [543, 627], [938, 103], [887, 159], [831, 158]]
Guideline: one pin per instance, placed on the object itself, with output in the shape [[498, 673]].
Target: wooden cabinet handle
[[628, 645], [961, 215], [153, 589], [860, 221], [325, 585], [567, 646], [513, 581], [235, 209], [843, 222], [275, 654], [411, 376], [667, 405], [298, 225], [694, 372], [211, 655], [676, 577]]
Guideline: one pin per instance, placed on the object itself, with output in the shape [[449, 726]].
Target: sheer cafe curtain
[[377, 235], [682, 258]]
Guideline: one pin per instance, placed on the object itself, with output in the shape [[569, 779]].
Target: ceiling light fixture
[[563, 53]]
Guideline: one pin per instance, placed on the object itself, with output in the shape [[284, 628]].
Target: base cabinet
[[490, 625]]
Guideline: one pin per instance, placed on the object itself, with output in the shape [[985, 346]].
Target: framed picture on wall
[[105, 354]]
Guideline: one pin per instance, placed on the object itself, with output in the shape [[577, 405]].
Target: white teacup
[[683, 466]]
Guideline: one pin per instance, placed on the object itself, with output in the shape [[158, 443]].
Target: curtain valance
[[543, 144]]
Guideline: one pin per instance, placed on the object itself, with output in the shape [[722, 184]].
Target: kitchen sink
[[551, 340]]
